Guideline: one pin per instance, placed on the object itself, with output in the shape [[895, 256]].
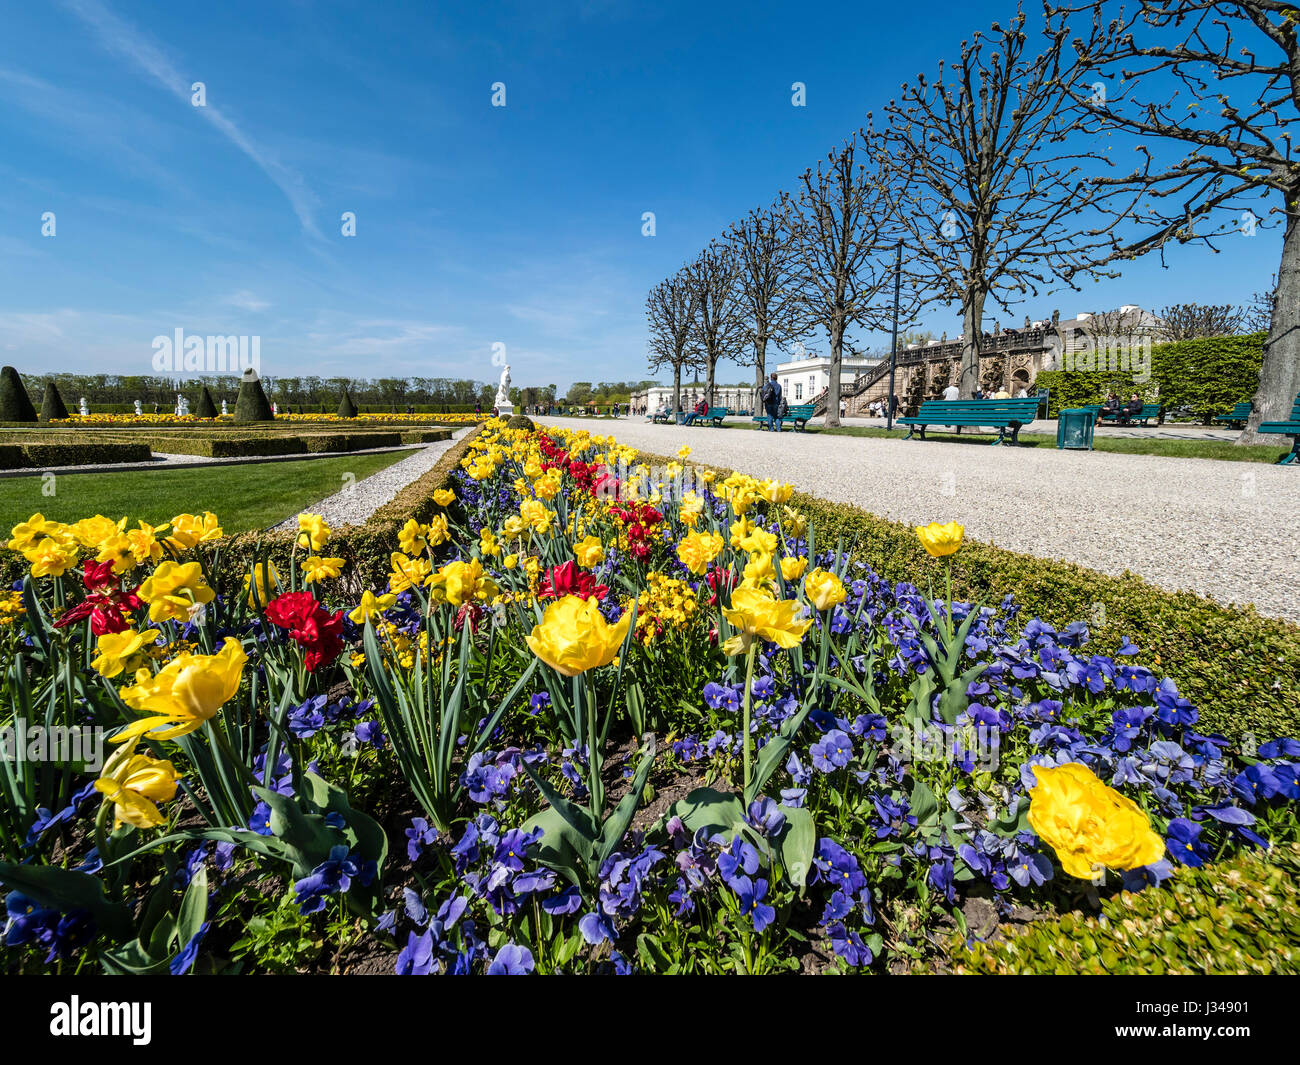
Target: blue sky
[[475, 225]]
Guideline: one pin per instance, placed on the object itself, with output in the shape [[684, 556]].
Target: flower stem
[[749, 683]]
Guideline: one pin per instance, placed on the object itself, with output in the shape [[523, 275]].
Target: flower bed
[[598, 719]]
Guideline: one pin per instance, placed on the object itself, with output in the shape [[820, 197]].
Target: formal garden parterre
[[562, 709]]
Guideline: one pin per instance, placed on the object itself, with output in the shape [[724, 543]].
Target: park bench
[[1290, 428], [1000, 414], [714, 415], [798, 415], [661, 417], [1238, 417], [1149, 410]]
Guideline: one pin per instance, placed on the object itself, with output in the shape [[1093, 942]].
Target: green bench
[[1238, 417], [714, 415], [1149, 410], [999, 414], [1289, 428], [798, 415]]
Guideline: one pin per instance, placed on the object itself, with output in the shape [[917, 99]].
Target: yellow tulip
[[697, 550], [189, 530], [267, 580], [574, 637], [185, 693], [776, 492], [589, 552], [939, 540], [465, 582], [49, 558], [792, 568], [175, 592], [135, 783], [756, 614], [91, 532], [823, 589], [444, 497], [1089, 825]]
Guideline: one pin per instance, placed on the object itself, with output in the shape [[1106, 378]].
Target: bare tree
[[1220, 79], [843, 246], [763, 251], [1257, 316], [998, 208], [719, 328], [671, 310], [1185, 321]]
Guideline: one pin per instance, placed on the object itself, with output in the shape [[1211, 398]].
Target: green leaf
[[924, 805], [711, 810], [797, 843], [616, 825], [67, 889]]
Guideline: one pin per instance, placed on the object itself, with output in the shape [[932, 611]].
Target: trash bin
[[1074, 429]]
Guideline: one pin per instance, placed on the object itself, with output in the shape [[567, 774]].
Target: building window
[[798, 391]]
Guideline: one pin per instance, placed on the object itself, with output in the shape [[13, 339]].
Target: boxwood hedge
[[1237, 917], [23, 456]]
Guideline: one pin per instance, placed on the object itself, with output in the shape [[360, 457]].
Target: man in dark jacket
[[771, 397]]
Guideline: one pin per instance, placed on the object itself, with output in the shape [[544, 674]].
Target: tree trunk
[[972, 336], [760, 370], [1279, 376], [710, 372], [832, 418], [677, 388]]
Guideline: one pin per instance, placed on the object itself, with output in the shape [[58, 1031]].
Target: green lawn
[[1187, 449], [247, 496]]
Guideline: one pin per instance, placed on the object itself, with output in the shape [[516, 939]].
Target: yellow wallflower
[[185, 693], [823, 589], [1088, 824], [321, 569], [174, 592], [939, 540], [189, 530], [135, 783], [371, 607], [312, 532], [589, 552], [757, 615], [574, 637], [117, 648]]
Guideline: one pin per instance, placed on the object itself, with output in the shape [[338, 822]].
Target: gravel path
[[1227, 530], [355, 504]]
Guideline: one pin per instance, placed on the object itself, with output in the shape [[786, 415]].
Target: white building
[[807, 376], [737, 398]]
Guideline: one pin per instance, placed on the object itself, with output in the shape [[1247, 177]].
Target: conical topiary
[[52, 405], [252, 405], [206, 408], [347, 409], [15, 404]]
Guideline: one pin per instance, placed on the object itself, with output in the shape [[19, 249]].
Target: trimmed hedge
[[15, 403], [1237, 917], [1240, 669], [52, 405], [39, 456]]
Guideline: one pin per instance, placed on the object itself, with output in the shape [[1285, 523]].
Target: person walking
[[771, 397], [952, 393]]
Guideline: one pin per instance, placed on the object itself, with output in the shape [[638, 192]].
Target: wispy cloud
[[247, 301], [122, 39]]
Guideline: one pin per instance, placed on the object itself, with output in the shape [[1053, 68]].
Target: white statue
[[85, 408], [138, 409], [223, 408], [503, 405], [275, 409]]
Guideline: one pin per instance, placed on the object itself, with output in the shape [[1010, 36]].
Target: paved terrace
[[1223, 529]]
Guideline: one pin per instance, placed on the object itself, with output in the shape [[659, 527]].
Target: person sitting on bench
[[1132, 409], [1112, 406], [701, 409]]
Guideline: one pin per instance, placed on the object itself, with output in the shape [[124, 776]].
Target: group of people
[[1121, 411]]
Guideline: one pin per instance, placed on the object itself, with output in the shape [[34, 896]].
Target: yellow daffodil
[[117, 550], [684, 452], [690, 510], [511, 561], [371, 607], [437, 531], [1089, 825], [49, 558], [117, 648], [757, 615], [758, 570], [175, 592], [27, 534], [185, 693], [939, 540], [318, 569], [465, 582], [412, 538], [267, 580], [91, 532], [823, 589], [487, 543], [444, 497], [313, 531], [407, 572], [144, 542], [189, 530], [793, 522], [574, 637], [135, 784], [589, 552]]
